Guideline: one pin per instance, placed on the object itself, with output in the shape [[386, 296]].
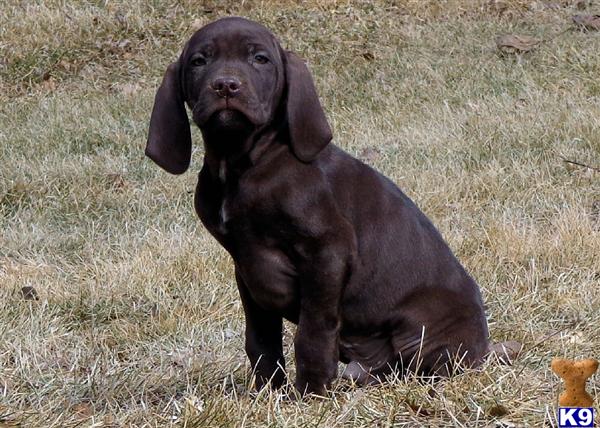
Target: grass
[[138, 321]]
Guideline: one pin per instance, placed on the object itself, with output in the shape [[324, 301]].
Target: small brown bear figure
[[575, 374]]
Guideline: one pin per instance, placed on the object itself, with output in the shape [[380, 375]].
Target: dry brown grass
[[138, 322]]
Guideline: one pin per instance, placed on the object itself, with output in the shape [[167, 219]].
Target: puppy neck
[[228, 159]]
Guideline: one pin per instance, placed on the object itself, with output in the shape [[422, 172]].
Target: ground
[[135, 320]]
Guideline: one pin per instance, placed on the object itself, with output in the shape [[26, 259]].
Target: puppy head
[[234, 77]]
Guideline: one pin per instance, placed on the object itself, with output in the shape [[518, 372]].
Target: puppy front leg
[[322, 282], [264, 345]]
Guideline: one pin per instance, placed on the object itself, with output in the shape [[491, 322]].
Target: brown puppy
[[317, 237]]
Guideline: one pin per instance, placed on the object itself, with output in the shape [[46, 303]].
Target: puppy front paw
[[314, 387]]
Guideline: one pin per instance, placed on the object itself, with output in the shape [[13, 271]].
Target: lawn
[[132, 316]]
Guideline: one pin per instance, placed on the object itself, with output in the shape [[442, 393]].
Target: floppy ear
[[309, 130], [169, 139]]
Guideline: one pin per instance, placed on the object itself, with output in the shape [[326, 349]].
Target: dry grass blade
[[587, 22], [572, 162], [515, 44]]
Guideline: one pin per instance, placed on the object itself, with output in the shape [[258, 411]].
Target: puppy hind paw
[[505, 352], [358, 374]]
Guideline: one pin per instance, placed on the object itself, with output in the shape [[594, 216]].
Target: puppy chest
[[270, 278], [239, 212], [225, 205], [224, 210], [233, 208], [235, 217], [216, 209]]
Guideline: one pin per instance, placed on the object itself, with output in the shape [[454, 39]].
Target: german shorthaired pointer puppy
[[317, 237]]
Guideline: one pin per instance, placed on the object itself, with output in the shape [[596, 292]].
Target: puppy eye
[[198, 61], [261, 59]]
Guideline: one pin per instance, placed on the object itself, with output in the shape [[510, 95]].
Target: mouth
[[229, 120], [208, 108], [227, 115]]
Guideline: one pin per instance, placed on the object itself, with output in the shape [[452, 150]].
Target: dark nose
[[226, 86]]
